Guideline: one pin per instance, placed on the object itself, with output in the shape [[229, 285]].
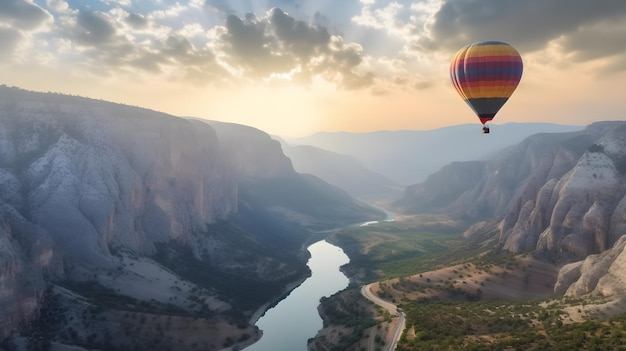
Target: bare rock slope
[[561, 195]]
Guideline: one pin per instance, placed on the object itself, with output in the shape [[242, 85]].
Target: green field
[[395, 249]]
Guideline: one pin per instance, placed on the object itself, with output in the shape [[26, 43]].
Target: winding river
[[294, 320]]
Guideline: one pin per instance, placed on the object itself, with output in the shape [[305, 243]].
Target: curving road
[[393, 309]]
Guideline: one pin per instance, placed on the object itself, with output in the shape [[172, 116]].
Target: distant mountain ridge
[[410, 156], [343, 171]]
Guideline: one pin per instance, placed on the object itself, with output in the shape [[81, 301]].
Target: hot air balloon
[[485, 74]]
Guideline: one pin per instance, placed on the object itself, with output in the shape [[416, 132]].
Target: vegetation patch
[[505, 325], [395, 249]]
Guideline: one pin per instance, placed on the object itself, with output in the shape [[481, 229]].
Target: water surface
[[289, 325]]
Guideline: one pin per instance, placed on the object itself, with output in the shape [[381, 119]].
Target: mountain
[[559, 195], [479, 190], [116, 218], [342, 171], [410, 156], [293, 197]]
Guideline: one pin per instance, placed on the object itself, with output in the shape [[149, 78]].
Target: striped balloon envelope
[[485, 74]]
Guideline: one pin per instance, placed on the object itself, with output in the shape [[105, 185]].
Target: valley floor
[[476, 302]]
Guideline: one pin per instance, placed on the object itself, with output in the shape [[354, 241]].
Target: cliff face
[[21, 283], [579, 212], [478, 190], [121, 176], [79, 178], [561, 195], [270, 189], [101, 197]]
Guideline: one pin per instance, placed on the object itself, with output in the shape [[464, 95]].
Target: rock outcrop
[[577, 213], [602, 275]]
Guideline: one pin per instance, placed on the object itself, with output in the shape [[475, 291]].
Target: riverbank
[[284, 294], [291, 322]]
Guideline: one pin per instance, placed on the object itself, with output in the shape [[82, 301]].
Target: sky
[[296, 67]]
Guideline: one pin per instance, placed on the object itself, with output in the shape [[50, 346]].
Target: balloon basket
[[485, 130]]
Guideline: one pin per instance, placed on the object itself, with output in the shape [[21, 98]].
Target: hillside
[[342, 171], [410, 156], [540, 266], [561, 196], [142, 215]]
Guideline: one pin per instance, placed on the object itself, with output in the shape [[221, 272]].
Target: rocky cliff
[[561, 192], [81, 178], [573, 211], [561, 195], [144, 208]]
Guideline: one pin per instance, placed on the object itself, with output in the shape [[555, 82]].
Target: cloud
[[125, 3], [93, 28], [22, 14], [279, 44], [573, 30], [388, 17], [59, 6], [137, 21], [174, 11], [9, 39], [272, 46], [250, 49], [298, 37], [591, 29]]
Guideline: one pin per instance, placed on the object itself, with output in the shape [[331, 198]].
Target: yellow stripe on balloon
[[493, 50], [497, 91]]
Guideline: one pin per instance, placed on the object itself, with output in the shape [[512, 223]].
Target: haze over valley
[[113, 215], [391, 175]]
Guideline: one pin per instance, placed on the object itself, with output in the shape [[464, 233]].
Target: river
[[294, 320]]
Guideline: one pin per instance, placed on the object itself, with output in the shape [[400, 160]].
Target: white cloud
[[387, 17], [191, 30], [171, 12], [60, 6], [125, 3]]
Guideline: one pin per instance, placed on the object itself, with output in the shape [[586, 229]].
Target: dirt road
[[393, 309]]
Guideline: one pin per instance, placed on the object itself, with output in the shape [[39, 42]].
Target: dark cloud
[[249, 47], [93, 28], [530, 25], [137, 21], [21, 14], [298, 37], [278, 43], [596, 41]]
